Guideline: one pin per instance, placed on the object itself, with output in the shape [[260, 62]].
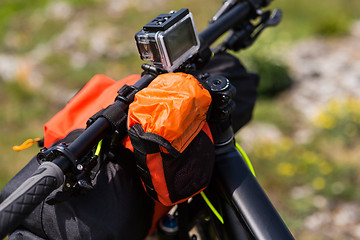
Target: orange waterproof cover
[[97, 94], [179, 115]]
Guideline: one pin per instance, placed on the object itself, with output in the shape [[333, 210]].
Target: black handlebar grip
[[30, 194]]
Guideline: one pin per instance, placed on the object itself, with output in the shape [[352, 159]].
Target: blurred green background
[[307, 162]]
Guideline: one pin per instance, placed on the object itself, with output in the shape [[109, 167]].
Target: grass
[[302, 178], [20, 118], [301, 19], [280, 115]]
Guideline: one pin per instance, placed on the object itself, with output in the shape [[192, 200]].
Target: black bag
[[117, 207]]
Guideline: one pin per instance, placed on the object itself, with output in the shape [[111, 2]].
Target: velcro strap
[[114, 114], [137, 136], [144, 173]]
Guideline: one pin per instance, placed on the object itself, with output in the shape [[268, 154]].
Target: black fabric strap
[[114, 114], [138, 135], [144, 174], [144, 144], [139, 143]]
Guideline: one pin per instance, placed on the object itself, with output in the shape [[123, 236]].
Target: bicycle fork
[[244, 201]]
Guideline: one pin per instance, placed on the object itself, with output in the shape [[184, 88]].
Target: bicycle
[[246, 211]]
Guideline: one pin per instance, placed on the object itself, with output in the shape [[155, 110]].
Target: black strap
[[144, 144], [138, 136], [144, 174], [114, 114]]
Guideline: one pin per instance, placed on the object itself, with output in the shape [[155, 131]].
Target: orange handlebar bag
[[172, 142], [97, 94]]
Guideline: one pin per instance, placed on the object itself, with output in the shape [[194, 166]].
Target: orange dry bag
[[172, 142], [97, 94]]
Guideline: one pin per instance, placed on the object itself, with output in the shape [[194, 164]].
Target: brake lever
[[245, 35], [268, 20]]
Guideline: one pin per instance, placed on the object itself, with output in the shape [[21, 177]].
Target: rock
[[323, 70]]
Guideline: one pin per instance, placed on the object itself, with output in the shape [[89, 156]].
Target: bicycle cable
[[246, 158]]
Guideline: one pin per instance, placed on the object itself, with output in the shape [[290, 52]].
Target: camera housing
[[168, 40]]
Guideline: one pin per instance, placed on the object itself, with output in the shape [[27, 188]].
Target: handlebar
[[50, 175], [224, 23]]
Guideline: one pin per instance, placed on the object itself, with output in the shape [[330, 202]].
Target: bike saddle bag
[[172, 142]]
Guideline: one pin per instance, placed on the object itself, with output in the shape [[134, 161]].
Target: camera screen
[[180, 39]]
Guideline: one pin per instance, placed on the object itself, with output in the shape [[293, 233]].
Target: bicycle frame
[[243, 195]]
